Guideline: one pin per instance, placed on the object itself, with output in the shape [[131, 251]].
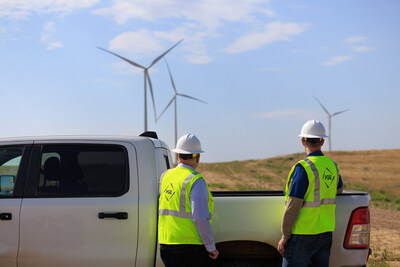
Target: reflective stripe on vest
[[182, 213], [317, 202]]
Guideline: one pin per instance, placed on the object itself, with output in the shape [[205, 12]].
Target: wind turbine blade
[[121, 57], [191, 97], [322, 106], [337, 113], [170, 75], [152, 95], [163, 54], [169, 104]]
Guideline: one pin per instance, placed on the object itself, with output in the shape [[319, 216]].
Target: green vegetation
[[380, 198], [379, 259]]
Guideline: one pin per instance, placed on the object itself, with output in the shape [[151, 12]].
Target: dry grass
[[267, 174], [374, 171], [385, 236]]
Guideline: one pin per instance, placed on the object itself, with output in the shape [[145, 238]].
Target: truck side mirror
[[7, 184]]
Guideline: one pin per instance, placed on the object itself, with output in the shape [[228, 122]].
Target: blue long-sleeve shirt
[[200, 213], [300, 179]]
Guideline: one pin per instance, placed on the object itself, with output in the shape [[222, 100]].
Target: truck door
[[81, 206], [13, 162]]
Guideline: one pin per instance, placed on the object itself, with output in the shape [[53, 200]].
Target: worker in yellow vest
[[309, 218], [185, 209]]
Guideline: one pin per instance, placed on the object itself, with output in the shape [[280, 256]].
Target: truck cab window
[[83, 171], [10, 158]]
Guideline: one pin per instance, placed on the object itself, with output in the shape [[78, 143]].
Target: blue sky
[[256, 63]]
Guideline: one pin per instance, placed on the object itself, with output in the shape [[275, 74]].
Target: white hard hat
[[313, 129], [188, 144]]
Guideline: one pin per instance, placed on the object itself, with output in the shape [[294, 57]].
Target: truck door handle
[[5, 216], [116, 215]]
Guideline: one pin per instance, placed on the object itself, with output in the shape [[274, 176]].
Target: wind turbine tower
[[176, 94], [329, 119], [146, 78]]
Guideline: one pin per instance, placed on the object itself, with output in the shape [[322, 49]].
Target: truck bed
[[247, 225]]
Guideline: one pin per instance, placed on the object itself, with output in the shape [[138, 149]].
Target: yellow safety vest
[[317, 214], [175, 225]]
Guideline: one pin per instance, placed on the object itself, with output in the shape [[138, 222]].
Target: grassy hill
[[374, 171]]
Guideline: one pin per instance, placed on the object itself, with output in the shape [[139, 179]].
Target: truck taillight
[[357, 235]]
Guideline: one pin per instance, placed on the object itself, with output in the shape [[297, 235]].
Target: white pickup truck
[[92, 201]]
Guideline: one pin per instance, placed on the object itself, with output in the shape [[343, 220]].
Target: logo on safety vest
[[328, 177], [169, 192]]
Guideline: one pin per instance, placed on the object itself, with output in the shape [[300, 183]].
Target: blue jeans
[[308, 250]]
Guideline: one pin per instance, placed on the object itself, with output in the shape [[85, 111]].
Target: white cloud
[[185, 32], [49, 29], [355, 42], [362, 48], [214, 13], [268, 12], [54, 45], [122, 10], [196, 21], [198, 59], [285, 113], [356, 39], [139, 42], [336, 60], [145, 42], [193, 42], [209, 13], [273, 32], [22, 9]]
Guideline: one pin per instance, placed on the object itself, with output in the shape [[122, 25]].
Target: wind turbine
[[329, 119], [146, 78], [176, 94]]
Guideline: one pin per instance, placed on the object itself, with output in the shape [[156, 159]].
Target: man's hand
[[281, 245], [213, 254]]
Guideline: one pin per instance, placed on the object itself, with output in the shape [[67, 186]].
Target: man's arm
[[295, 200], [201, 215], [293, 207]]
